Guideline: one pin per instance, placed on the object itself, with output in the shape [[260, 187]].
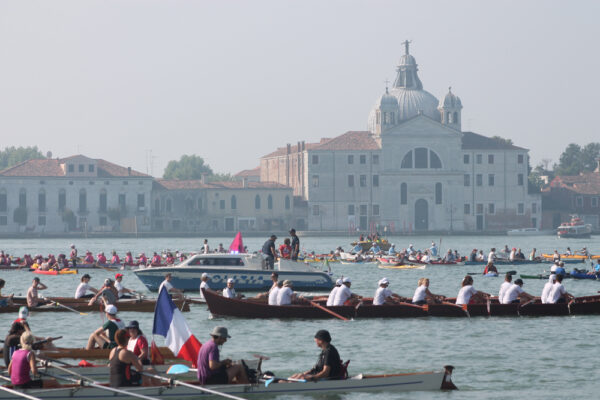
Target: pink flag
[[237, 246]]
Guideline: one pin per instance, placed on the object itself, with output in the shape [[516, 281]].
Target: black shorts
[[35, 383], [218, 377], [420, 302]]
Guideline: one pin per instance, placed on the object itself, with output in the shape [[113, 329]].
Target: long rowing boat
[[94, 354], [140, 305]]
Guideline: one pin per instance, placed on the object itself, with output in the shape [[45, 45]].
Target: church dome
[[386, 102], [451, 100]]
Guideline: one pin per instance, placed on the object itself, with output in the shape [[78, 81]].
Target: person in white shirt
[[172, 290], [204, 284], [547, 288], [468, 294], [512, 254], [331, 297], [568, 252], [425, 258], [492, 256], [286, 296], [122, 290], [344, 293], [554, 266], [558, 293], [422, 294], [505, 285], [383, 295], [83, 287], [274, 292], [515, 293]]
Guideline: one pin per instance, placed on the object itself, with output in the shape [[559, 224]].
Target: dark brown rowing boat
[[144, 305], [94, 354]]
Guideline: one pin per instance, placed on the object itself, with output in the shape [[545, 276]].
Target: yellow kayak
[[572, 257], [403, 266]]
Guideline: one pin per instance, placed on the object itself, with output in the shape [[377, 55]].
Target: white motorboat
[[528, 232], [574, 229]]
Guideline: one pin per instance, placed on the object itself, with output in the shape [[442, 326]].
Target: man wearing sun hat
[[229, 291], [331, 297], [213, 371], [104, 336], [204, 284], [344, 294]]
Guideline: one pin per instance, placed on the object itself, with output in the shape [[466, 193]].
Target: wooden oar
[[17, 393], [499, 273], [65, 307], [327, 310], [189, 385], [271, 380]]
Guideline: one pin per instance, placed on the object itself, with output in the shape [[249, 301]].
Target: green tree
[[589, 154], [221, 178], [14, 155], [188, 167], [502, 140], [571, 161]]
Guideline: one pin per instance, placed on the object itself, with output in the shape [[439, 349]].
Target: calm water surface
[[495, 358]]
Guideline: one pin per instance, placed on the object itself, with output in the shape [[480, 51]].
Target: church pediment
[[422, 126]]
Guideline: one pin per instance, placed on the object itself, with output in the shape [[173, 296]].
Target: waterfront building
[[414, 169]]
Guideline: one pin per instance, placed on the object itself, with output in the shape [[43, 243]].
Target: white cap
[[204, 275], [23, 312], [346, 280], [384, 281], [339, 282], [110, 309], [552, 278], [230, 280]]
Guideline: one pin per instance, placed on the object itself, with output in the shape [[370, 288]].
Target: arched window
[[434, 160], [82, 200], [287, 202], [62, 199], [421, 159], [438, 193], [156, 207], [450, 118], [3, 200], [169, 206], [102, 200], [407, 161], [455, 120], [42, 200], [270, 202], [199, 203], [233, 202], [403, 193], [257, 202]]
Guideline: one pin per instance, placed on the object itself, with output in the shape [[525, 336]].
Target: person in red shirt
[[285, 250], [115, 258], [156, 259], [89, 258], [101, 258], [138, 343], [129, 259]]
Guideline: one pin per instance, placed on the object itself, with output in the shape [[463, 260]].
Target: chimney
[[303, 145], [289, 148], [129, 171], [245, 180], [597, 165]]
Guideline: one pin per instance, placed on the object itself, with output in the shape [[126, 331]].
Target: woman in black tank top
[[121, 361]]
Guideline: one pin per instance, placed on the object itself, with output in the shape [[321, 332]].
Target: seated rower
[[120, 362], [545, 297], [5, 300], [142, 259], [101, 258], [480, 256], [12, 341], [554, 266], [423, 296], [344, 295], [558, 293], [274, 292], [513, 254], [504, 287], [89, 258], [392, 250], [104, 337], [533, 256], [32, 293], [595, 268], [375, 249], [331, 297], [172, 290], [23, 363], [468, 294], [490, 268], [82, 289], [329, 365], [129, 260], [383, 295], [515, 293], [138, 344], [583, 252], [449, 257], [229, 291], [568, 252], [122, 291], [286, 296], [473, 256], [44, 343], [519, 255], [115, 260], [156, 260], [425, 259], [108, 293], [265, 295], [560, 270], [212, 371], [170, 260]]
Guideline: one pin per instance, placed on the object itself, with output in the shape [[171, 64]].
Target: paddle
[[499, 273], [180, 369], [65, 307], [271, 380], [327, 310], [189, 385]]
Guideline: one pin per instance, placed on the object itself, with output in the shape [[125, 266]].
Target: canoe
[[522, 262], [392, 383], [65, 271], [123, 305], [401, 266], [572, 257], [363, 263], [95, 354]]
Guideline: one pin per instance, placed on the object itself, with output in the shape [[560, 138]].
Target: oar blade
[[178, 369], [269, 381]]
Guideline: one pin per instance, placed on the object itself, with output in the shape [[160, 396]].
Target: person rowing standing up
[[329, 365], [492, 256], [422, 294], [274, 292], [331, 297], [545, 297], [172, 290], [73, 255], [204, 284], [468, 294], [515, 293]]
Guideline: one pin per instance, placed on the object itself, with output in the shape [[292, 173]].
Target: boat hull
[[123, 305]]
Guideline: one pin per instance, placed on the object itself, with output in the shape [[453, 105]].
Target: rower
[[101, 258], [473, 256], [156, 260], [89, 258], [383, 295], [433, 249], [5, 300], [375, 249], [568, 252], [425, 257], [504, 287], [120, 361], [73, 255], [558, 293], [265, 295], [81, 291], [512, 254], [169, 286], [274, 292], [344, 294], [204, 283], [547, 289], [583, 252], [490, 268], [422, 294], [532, 255], [554, 266], [392, 250], [32, 293], [122, 290], [331, 297], [104, 337], [480, 256], [556, 256], [468, 294], [515, 293], [560, 270], [23, 363], [129, 259], [411, 250], [170, 260], [229, 291], [115, 258], [449, 257], [142, 259], [506, 251], [492, 256], [329, 365], [519, 255], [138, 344], [108, 292], [286, 296], [213, 371], [12, 341]]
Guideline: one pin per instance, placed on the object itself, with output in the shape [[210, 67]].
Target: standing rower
[[172, 290], [32, 293], [331, 297], [204, 284]]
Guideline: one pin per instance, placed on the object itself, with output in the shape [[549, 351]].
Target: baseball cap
[[117, 276], [230, 280], [111, 309], [346, 280]]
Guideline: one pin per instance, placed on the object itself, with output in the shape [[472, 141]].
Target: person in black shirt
[[12, 342], [329, 365], [295, 244], [269, 252]]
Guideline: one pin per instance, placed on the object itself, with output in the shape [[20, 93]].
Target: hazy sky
[[233, 80]]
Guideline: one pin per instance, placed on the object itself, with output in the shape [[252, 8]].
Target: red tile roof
[[587, 183], [293, 149], [198, 184], [352, 140], [249, 172], [51, 167]]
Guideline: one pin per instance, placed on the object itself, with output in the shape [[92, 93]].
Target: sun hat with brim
[[220, 331], [339, 282], [323, 335], [230, 280], [346, 280], [287, 283], [204, 275], [384, 281], [111, 309], [133, 324]]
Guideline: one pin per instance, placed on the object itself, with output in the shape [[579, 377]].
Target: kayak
[[64, 271], [572, 275], [572, 257], [402, 266]]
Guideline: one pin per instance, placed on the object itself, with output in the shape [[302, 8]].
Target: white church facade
[[413, 170]]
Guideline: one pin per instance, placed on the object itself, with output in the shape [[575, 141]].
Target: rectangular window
[[315, 181], [351, 209], [81, 168], [375, 209], [350, 159], [467, 209], [466, 159], [467, 181], [141, 200], [579, 201], [22, 199], [42, 220], [62, 201], [42, 202], [534, 208], [520, 179], [490, 158], [491, 208], [479, 209], [350, 180], [479, 180], [3, 220], [421, 160], [222, 204], [71, 168], [376, 159], [103, 202], [3, 202], [594, 202], [520, 208], [520, 159], [479, 158], [315, 160], [375, 180], [122, 203], [91, 168], [491, 180], [102, 220], [363, 180], [315, 209], [363, 209], [363, 159]]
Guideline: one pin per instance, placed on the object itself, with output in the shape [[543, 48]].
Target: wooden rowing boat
[[95, 354], [143, 305]]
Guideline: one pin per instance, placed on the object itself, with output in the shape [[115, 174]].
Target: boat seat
[[344, 369]]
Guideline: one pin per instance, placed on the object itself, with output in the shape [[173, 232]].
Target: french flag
[[170, 323]]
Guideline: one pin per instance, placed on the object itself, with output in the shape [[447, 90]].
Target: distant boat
[[527, 232], [574, 229]]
